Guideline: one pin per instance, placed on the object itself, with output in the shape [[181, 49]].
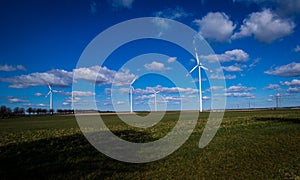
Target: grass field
[[249, 145]]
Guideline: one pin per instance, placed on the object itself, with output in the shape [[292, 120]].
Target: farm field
[[261, 144]]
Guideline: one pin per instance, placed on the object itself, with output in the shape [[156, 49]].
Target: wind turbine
[[155, 104], [51, 101], [131, 91], [199, 66]]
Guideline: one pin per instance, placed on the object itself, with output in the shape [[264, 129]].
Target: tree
[[29, 110], [16, 111], [3, 111]]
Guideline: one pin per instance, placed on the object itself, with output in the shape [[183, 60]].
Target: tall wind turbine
[[131, 91], [51, 100], [199, 66], [155, 104]]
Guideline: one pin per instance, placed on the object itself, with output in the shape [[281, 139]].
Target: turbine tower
[[155, 104], [199, 66], [131, 91], [51, 100]]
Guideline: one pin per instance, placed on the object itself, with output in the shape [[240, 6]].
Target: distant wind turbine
[[199, 65], [51, 100], [131, 91], [155, 104]]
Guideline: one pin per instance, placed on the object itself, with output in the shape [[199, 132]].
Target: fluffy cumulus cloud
[[156, 66], [8, 68], [232, 68], [62, 78], [16, 100], [160, 89], [122, 3], [236, 55], [239, 88], [78, 93], [272, 87], [294, 82], [237, 94], [172, 59], [294, 90], [214, 88], [55, 77], [238, 91], [216, 26], [221, 77], [265, 26], [289, 70]]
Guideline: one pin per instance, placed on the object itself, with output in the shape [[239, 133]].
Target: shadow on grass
[[277, 119], [65, 157]]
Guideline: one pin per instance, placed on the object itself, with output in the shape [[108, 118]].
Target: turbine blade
[[191, 70], [48, 94], [134, 79], [196, 53], [204, 68], [54, 91], [49, 86]]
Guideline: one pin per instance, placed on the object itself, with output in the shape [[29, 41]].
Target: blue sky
[[256, 41]]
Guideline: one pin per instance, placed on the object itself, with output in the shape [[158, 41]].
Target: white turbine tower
[[131, 91], [51, 100], [155, 104], [199, 65]]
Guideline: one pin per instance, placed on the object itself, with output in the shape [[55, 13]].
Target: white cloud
[[172, 13], [178, 89], [220, 77], [119, 102], [55, 77], [254, 63], [289, 70], [236, 55], [272, 87], [122, 3], [239, 88], [297, 48], [17, 100], [79, 93], [294, 90], [166, 90], [265, 26], [294, 82], [238, 94], [156, 66], [232, 68], [38, 94], [8, 68], [62, 78], [21, 67], [216, 26], [65, 103], [172, 59], [214, 88]]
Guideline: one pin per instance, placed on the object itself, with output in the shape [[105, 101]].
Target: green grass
[[249, 145]]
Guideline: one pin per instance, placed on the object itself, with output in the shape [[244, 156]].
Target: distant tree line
[[17, 111]]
